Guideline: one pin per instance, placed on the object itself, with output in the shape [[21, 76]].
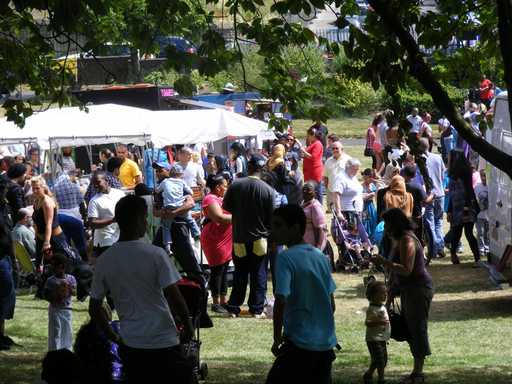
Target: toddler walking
[[58, 290], [378, 330]]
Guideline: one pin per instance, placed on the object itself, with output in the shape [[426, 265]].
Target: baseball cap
[[161, 164], [176, 168], [257, 160]]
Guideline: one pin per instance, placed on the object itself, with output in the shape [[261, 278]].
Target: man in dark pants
[[304, 334], [142, 281], [251, 202]]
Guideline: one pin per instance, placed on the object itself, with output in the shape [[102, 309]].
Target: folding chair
[[25, 263]]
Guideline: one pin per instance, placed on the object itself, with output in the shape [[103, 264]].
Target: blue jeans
[[433, 225]]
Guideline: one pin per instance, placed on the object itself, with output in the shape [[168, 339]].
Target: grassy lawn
[[347, 127], [470, 332]]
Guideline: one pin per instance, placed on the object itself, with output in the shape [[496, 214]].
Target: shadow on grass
[[449, 278], [471, 309], [18, 367], [245, 370]]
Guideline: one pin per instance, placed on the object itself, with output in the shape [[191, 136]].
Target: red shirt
[[488, 93], [216, 239], [313, 167]]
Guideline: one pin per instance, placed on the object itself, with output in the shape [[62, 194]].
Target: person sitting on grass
[[378, 330], [304, 349], [58, 290]]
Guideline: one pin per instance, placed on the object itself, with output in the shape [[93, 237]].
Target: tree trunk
[[505, 31], [422, 72]]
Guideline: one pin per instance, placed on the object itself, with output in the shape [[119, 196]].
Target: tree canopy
[[399, 41]]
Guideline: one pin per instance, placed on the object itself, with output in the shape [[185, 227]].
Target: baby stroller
[[194, 293], [348, 259]]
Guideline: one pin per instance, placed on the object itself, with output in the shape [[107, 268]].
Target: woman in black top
[[49, 235], [411, 279]]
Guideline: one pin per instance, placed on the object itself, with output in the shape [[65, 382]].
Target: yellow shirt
[[128, 171]]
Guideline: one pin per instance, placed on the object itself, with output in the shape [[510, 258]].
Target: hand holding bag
[[399, 329]]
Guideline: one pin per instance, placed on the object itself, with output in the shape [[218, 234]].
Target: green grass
[[347, 127], [470, 332]]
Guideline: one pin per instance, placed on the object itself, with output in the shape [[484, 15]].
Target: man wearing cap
[[251, 203], [333, 167], [15, 194], [174, 191], [101, 213], [181, 246], [129, 172], [193, 173]]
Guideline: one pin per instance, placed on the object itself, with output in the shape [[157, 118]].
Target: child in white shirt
[[378, 330]]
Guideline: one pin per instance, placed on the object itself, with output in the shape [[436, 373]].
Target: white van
[[500, 185]]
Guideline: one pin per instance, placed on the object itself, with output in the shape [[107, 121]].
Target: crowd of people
[[124, 235]]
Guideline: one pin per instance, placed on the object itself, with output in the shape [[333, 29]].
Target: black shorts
[[378, 352]]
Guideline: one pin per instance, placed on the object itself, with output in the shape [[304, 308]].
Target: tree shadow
[[471, 309], [449, 278]]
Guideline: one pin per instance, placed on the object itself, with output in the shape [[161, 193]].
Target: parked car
[[181, 44]]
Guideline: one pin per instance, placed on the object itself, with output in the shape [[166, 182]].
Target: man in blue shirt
[[304, 335]]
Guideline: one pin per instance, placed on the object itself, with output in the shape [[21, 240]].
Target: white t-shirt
[[333, 167], [351, 192], [379, 332], [135, 274], [416, 123], [436, 170], [193, 174], [103, 206]]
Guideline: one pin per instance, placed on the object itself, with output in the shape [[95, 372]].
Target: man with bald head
[[333, 166], [129, 172]]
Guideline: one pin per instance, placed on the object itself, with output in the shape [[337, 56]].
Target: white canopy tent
[[200, 126], [109, 123], [112, 123]]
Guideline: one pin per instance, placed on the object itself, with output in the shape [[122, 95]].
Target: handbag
[[399, 329], [369, 152]]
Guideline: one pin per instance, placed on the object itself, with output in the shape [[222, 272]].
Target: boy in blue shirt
[[304, 335]]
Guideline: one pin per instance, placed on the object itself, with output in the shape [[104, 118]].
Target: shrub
[[411, 98]]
